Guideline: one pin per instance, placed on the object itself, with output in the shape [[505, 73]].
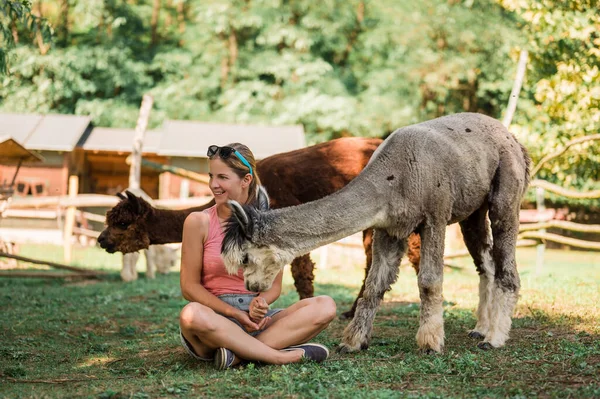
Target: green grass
[[110, 339]]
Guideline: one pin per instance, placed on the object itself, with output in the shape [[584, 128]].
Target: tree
[[338, 67], [15, 15], [564, 82]]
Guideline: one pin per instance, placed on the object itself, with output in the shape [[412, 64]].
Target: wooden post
[[514, 94], [184, 189], [128, 271], [135, 170], [541, 207], [70, 219], [164, 185]]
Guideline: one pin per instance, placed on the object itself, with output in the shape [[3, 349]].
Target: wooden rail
[[97, 200]]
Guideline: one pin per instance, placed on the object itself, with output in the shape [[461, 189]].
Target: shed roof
[[11, 152], [59, 132], [52, 132], [121, 140], [191, 139], [19, 126]]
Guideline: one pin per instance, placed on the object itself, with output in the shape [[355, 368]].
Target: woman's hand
[[246, 322], [264, 323], [258, 308]]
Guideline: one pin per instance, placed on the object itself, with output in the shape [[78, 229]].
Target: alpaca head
[[243, 246], [126, 230]]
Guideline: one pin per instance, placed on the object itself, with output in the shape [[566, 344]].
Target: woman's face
[[225, 184]]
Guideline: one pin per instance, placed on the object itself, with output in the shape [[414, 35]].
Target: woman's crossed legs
[[206, 330]]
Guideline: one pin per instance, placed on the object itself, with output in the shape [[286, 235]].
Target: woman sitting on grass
[[224, 321]]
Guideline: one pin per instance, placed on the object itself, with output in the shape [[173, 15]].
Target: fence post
[[128, 270], [70, 219], [514, 94], [135, 170], [541, 207], [184, 189]]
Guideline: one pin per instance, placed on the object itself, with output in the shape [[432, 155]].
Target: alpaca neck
[[305, 227], [166, 225]]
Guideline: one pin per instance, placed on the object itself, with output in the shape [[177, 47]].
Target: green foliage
[[564, 84], [337, 67], [15, 17]]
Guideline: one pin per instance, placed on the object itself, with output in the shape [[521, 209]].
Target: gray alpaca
[[456, 168]]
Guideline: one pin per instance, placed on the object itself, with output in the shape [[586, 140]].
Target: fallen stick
[[11, 273], [51, 264]]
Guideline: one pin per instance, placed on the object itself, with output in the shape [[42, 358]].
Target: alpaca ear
[[135, 201], [262, 199], [121, 196], [240, 215]]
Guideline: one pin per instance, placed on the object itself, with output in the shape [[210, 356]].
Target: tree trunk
[[169, 18], [63, 30], [181, 20], [360, 12], [233, 48], [224, 71], [154, 22], [38, 35], [353, 37]]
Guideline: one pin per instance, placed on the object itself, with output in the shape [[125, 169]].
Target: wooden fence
[[67, 212]]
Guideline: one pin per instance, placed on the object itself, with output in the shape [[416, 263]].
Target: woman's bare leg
[[299, 323], [206, 331]]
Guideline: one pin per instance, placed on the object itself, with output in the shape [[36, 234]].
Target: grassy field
[[110, 339]]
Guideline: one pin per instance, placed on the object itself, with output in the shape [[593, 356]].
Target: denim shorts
[[239, 301]]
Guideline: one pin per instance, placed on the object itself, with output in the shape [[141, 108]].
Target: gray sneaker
[[224, 358], [315, 352]]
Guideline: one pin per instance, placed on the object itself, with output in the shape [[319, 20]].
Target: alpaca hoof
[[429, 352], [486, 346], [347, 315], [345, 348], [476, 335], [430, 339]]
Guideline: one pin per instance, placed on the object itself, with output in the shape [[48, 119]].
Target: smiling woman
[[225, 321]]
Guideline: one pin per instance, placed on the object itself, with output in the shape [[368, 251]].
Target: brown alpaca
[[291, 178]]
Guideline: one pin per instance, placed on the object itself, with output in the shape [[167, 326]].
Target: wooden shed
[[105, 153], [70, 145], [55, 137]]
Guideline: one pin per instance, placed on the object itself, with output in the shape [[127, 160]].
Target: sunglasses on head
[[225, 152]]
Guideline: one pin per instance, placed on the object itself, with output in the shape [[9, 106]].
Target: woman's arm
[[260, 304], [274, 292]]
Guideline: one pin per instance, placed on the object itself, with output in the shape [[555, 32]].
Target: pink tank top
[[214, 275]]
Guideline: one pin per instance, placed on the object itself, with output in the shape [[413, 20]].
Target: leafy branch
[[18, 12]]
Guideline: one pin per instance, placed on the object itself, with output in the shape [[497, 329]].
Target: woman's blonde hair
[[242, 170]]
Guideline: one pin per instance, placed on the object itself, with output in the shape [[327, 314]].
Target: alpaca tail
[[527, 160]]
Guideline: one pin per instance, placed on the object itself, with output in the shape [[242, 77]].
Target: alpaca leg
[[368, 244], [504, 217], [478, 239], [162, 257], [129, 272], [387, 253], [151, 255], [430, 337], [166, 258], [302, 271]]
